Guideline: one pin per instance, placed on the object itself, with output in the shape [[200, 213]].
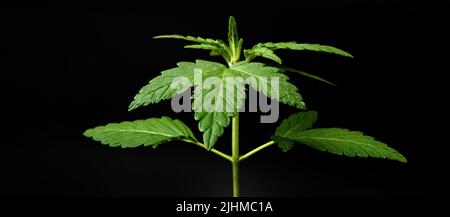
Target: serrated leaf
[[201, 46], [199, 40], [217, 47], [287, 92], [226, 102], [233, 39], [152, 131], [217, 101], [303, 46], [263, 52], [232, 31], [283, 143], [344, 142], [159, 88], [291, 126], [239, 48], [212, 125]]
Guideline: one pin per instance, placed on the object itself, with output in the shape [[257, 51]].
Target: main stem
[[235, 154]]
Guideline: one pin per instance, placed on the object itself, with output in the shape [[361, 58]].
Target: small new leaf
[[263, 52], [201, 46], [152, 131], [198, 40], [232, 31], [217, 47], [233, 40], [309, 47]]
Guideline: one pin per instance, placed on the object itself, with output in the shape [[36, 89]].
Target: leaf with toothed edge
[[295, 129], [217, 47], [345, 142], [304, 46], [216, 101], [287, 92], [263, 52], [334, 140], [152, 131], [295, 123], [159, 88]]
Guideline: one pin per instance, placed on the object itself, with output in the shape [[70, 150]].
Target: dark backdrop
[[74, 67]]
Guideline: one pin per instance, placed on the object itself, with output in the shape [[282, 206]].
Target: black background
[[71, 67]]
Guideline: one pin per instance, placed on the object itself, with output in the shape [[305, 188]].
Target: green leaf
[[315, 77], [152, 131], [217, 101], [212, 125], [233, 39], [334, 140], [287, 92], [283, 143], [217, 47], [201, 46], [310, 47], [239, 48], [291, 126], [225, 103], [199, 40], [159, 88], [263, 52], [232, 31]]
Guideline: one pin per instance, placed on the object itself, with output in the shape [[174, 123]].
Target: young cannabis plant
[[229, 82]]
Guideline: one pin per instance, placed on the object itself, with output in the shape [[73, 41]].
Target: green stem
[[235, 154], [250, 153], [215, 151]]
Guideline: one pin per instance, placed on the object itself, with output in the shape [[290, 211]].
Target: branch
[[250, 153], [215, 151]]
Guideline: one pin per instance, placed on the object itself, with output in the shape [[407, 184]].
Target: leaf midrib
[[220, 92], [141, 131], [333, 139], [249, 74], [290, 130]]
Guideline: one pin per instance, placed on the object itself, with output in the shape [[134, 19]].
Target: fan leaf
[[334, 140], [287, 92], [295, 123], [152, 131], [159, 88], [345, 142], [217, 100]]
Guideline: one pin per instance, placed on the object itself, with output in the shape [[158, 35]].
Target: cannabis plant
[[268, 79]]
